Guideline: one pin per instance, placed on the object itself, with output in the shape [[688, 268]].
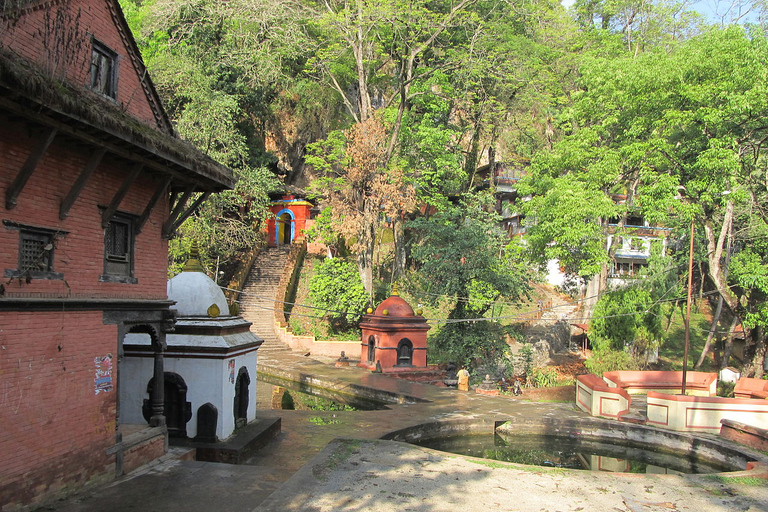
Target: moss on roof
[[29, 86]]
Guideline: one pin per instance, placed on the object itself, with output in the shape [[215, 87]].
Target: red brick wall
[[35, 35], [55, 427], [144, 453], [79, 255]]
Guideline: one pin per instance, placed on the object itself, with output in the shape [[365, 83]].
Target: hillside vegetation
[[398, 115]]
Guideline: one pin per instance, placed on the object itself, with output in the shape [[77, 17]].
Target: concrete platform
[[239, 447], [336, 461]]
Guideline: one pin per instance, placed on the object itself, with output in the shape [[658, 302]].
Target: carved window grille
[[104, 70], [118, 247], [35, 251]]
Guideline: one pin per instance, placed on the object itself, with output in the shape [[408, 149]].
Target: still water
[[571, 453]]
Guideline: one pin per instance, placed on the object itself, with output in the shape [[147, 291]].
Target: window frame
[[128, 258], [39, 234], [110, 56]]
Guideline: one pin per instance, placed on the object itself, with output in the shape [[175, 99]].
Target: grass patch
[[673, 345], [747, 481], [343, 453], [521, 467], [317, 420]]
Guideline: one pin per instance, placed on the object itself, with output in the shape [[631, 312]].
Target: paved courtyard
[[336, 461]]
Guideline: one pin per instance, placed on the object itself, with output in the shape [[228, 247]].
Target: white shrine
[[210, 363]]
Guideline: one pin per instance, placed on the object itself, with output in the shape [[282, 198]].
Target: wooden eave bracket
[[79, 185], [26, 171], [110, 210], [151, 205], [177, 218]]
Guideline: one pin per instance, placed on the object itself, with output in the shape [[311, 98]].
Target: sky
[[709, 8]]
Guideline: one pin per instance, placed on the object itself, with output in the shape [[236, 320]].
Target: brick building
[[93, 181]]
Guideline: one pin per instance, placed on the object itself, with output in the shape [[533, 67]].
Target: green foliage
[[626, 317], [525, 358], [461, 254], [749, 270], [608, 360], [471, 344], [336, 287], [725, 389], [544, 377]]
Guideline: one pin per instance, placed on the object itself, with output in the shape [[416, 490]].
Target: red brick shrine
[[395, 337]]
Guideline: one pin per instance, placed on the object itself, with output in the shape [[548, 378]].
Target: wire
[[533, 314]]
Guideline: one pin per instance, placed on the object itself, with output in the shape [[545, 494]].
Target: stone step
[[636, 417], [257, 298]]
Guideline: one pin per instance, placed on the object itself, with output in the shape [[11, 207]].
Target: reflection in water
[[571, 453], [305, 397]]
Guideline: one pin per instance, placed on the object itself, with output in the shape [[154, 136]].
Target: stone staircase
[[257, 300], [554, 324]]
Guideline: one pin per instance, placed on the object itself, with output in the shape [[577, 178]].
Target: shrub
[[608, 360], [336, 287], [472, 344], [544, 377]]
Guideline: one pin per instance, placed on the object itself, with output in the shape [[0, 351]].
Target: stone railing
[[747, 387], [594, 397], [237, 282], [703, 414], [643, 382], [286, 289], [287, 285], [741, 433]]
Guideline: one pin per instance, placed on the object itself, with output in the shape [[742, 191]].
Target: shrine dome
[[196, 294], [395, 307]]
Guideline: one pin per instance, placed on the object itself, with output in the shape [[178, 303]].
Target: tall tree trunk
[[729, 343], [715, 247], [365, 257], [671, 314], [712, 329], [760, 352], [399, 261], [755, 344], [719, 309]]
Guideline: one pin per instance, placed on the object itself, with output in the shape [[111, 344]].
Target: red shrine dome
[[394, 306], [394, 338]]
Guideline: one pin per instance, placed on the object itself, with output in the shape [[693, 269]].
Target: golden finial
[[395, 289], [193, 263]]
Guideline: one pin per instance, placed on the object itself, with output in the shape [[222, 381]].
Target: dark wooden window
[[104, 70], [118, 249], [36, 250]]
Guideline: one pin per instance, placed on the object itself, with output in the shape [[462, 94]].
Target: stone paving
[[336, 461]]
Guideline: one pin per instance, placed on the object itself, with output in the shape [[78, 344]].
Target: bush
[[472, 344], [608, 360], [337, 288], [544, 377], [725, 388]]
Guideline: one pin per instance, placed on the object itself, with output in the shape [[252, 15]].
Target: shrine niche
[[288, 220], [395, 337]]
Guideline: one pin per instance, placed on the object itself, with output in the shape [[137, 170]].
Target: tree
[[358, 187], [336, 287], [217, 66], [462, 254], [680, 132]]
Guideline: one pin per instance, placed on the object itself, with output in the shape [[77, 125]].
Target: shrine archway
[[285, 227]]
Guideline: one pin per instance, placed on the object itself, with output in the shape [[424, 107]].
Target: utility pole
[[688, 310]]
